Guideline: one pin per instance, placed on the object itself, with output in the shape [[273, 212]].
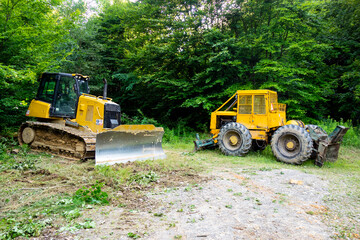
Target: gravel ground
[[234, 204]]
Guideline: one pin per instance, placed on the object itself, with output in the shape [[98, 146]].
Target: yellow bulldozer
[[251, 119], [74, 124]]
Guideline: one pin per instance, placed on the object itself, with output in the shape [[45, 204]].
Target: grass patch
[[40, 191], [30, 220]]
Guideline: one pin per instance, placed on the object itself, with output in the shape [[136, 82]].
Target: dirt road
[[232, 204]]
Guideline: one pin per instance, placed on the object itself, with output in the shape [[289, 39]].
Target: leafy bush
[[133, 235], [17, 88], [6, 144], [139, 119], [23, 165], [91, 195], [351, 138]]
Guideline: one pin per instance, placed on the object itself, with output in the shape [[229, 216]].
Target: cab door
[[259, 113], [244, 113], [252, 111], [66, 97]]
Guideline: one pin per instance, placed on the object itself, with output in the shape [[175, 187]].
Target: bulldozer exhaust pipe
[[105, 89]]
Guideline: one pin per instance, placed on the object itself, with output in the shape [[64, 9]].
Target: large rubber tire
[[234, 139], [291, 144]]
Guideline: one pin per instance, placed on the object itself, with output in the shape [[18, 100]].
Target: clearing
[[202, 195]]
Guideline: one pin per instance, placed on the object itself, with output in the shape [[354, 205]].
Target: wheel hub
[[233, 140], [290, 145]]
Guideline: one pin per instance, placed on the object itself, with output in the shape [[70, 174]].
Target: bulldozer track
[[58, 139]]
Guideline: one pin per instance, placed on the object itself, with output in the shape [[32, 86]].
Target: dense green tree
[[176, 60], [186, 57], [31, 32], [343, 35]]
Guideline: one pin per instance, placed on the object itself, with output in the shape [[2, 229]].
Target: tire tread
[[246, 138], [304, 137]]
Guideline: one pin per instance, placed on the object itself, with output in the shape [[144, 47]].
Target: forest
[[173, 62]]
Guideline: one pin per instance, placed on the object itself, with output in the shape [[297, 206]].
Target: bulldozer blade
[[128, 143]]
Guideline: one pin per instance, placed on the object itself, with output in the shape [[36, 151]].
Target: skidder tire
[[291, 144], [234, 139]]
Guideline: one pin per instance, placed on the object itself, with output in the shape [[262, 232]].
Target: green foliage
[[32, 38], [91, 195], [133, 235], [144, 178], [117, 174], [179, 134], [179, 61], [352, 136], [14, 157], [23, 165], [72, 214], [17, 88], [33, 218], [174, 62], [89, 223], [6, 144], [11, 229], [138, 119]]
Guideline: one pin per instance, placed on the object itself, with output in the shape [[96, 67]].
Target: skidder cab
[[252, 119]]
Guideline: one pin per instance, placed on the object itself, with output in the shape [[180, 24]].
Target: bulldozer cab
[[62, 91]]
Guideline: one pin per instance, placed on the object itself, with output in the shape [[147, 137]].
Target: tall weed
[[180, 134]]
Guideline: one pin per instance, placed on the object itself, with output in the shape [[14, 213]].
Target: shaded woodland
[[174, 62]]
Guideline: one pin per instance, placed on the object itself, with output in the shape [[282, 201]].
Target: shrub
[[351, 138]]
